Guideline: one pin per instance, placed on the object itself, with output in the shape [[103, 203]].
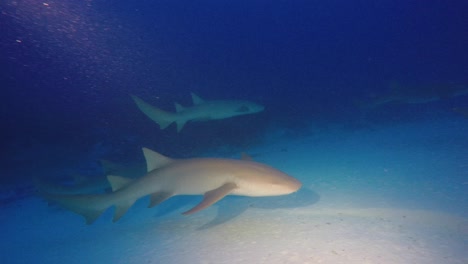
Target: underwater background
[[366, 103]]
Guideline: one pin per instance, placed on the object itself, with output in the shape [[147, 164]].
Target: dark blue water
[[69, 68]]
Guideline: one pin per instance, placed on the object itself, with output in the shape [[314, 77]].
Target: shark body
[[200, 111], [416, 95], [212, 177]]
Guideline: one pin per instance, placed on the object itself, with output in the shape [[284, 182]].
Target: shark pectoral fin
[[159, 197], [212, 197], [180, 124], [118, 182], [121, 209]]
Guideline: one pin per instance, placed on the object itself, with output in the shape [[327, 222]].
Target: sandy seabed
[[390, 195]]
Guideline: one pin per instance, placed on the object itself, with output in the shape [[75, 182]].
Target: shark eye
[[243, 109]]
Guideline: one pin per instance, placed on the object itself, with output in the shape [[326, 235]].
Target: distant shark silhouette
[[415, 94], [200, 111], [214, 178], [462, 111]]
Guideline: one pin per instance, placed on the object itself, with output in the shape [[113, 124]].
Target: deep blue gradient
[[67, 69]]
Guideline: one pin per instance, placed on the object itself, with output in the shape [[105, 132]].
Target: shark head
[[256, 179], [246, 107], [227, 109]]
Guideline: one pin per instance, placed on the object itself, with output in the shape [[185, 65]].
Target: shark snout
[[286, 186], [294, 185], [259, 108]]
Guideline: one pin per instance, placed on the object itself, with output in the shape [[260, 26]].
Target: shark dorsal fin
[[154, 160], [179, 107], [196, 99], [245, 156], [118, 182]]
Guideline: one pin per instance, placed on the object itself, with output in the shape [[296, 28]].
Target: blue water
[[68, 69]]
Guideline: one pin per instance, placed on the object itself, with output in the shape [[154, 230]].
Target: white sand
[[394, 195]]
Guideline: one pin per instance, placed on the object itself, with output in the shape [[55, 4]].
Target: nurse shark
[[462, 111], [214, 178], [200, 111]]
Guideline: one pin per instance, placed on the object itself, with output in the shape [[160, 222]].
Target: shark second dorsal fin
[[118, 182], [154, 160], [179, 108], [196, 99]]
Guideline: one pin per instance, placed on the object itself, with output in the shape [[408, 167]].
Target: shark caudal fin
[[91, 206], [162, 118], [87, 206]]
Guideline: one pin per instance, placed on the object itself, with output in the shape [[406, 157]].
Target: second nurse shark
[[202, 110]]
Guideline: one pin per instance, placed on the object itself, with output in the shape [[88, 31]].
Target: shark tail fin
[[162, 118], [91, 206], [83, 205]]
